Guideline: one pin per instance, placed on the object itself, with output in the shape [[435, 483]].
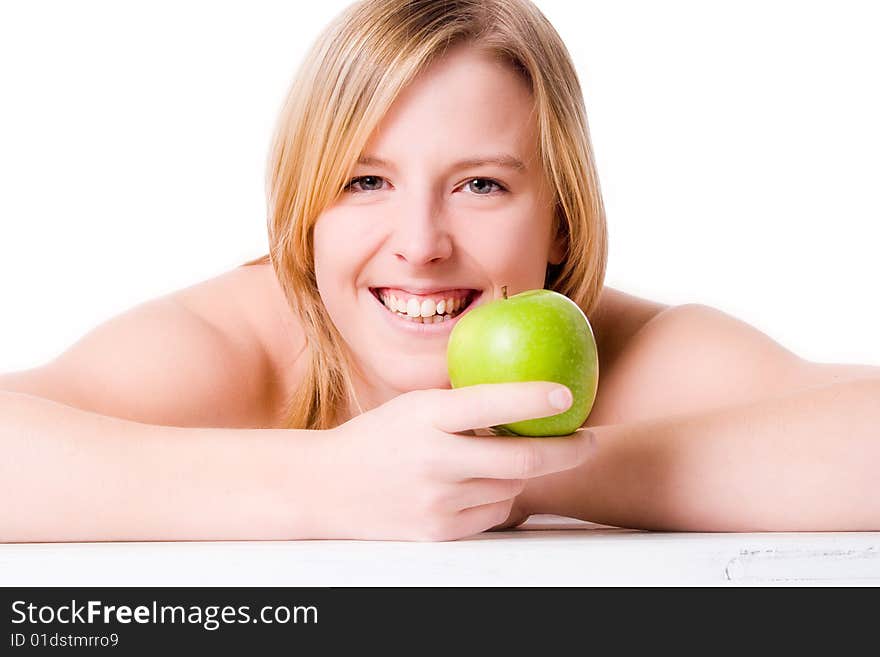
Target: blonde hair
[[346, 84]]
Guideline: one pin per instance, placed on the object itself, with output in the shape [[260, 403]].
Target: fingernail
[[560, 398]]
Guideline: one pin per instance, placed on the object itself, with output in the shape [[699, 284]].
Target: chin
[[417, 380]]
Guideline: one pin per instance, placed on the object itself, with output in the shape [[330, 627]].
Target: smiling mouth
[[426, 309]]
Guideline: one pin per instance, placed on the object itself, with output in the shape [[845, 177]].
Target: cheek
[[515, 251], [334, 262], [342, 247], [336, 254]]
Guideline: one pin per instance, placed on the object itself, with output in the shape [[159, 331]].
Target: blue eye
[[369, 180], [487, 182], [368, 184]]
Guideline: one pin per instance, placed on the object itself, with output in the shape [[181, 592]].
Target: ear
[[557, 249]]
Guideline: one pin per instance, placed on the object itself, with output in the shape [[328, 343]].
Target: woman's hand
[[412, 469]]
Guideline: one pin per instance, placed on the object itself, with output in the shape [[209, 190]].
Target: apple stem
[[504, 291]]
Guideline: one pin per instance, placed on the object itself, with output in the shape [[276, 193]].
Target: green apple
[[537, 335]]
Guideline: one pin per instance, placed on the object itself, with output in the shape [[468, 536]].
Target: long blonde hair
[[346, 84]]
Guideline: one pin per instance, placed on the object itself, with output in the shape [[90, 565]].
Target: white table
[[547, 550]]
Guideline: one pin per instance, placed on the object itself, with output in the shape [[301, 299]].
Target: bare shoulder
[[617, 321], [618, 317], [247, 302], [248, 305], [199, 356], [694, 358]]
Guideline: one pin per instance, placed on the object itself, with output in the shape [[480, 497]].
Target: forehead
[[467, 101]]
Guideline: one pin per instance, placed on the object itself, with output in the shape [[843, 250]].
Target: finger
[[480, 518], [477, 492], [488, 404], [519, 458]]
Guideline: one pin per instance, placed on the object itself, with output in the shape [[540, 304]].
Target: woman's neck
[[367, 396]]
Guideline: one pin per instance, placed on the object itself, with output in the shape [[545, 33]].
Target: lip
[[443, 329], [424, 291]]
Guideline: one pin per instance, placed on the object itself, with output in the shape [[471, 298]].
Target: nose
[[420, 234]]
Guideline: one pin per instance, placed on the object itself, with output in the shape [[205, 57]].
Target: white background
[[737, 146]]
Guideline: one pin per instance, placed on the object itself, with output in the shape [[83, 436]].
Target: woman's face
[[420, 227]]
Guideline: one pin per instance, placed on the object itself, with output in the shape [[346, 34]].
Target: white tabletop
[[547, 550]]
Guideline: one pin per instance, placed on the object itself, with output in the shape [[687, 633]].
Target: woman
[[428, 153]]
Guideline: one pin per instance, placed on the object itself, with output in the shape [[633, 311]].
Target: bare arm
[[400, 471], [73, 475], [157, 363], [150, 427], [805, 461]]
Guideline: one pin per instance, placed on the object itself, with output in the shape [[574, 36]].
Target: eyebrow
[[506, 161]]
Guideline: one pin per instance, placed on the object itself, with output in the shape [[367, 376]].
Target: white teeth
[[425, 311]]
